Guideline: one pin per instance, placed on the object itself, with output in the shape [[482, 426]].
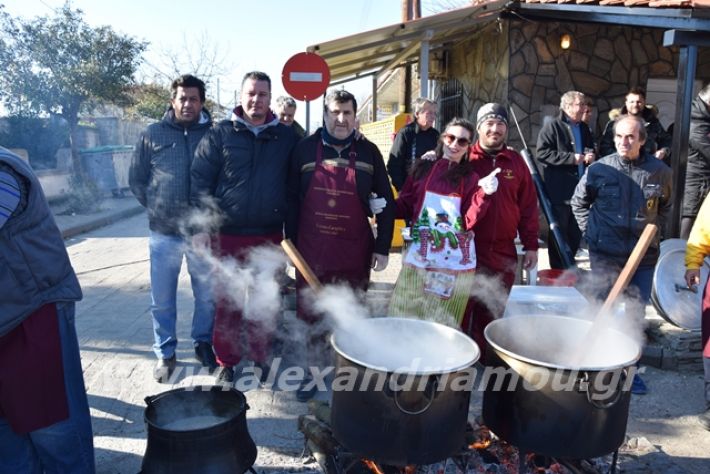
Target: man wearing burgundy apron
[[241, 167], [332, 177], [699, 248], [45, 424]]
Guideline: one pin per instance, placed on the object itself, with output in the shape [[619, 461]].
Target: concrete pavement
[[113, 323]]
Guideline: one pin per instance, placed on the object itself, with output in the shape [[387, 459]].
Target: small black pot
[[381, 418], [198, 429], [553, 408]]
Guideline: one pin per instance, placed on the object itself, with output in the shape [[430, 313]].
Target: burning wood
[[372, 465], [482, 452], [318, 433]]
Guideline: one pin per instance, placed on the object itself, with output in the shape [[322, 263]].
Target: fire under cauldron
[[198, 429], [409, 402], [538, 401]]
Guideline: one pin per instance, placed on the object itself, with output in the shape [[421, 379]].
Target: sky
[[251, 35]]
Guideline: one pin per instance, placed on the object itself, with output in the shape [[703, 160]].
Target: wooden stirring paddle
[[594, 334], [300, 263]]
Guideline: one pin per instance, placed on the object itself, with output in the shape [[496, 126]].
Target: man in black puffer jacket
[[697, 175], [160, 180], [658, 140], [241, 167]]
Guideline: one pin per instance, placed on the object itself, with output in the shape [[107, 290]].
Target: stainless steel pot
[[537, 400], [404, 389]]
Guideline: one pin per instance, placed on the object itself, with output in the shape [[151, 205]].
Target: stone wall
[[602, 62], [522, 64], [481, 64]]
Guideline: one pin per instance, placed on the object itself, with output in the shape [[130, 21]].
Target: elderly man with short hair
[[613, 202], [412, 141], [286, 111], [564, 147]]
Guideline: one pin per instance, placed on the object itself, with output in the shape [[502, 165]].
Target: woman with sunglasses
[[444, 199]]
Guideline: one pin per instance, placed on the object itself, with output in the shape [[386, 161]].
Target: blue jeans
[[66, 446], [166, 252], [637, 294]]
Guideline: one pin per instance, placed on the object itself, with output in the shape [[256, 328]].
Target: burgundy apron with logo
[[334, 235]]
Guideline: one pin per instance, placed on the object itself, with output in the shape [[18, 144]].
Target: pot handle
[[430, 387], [603, 404]]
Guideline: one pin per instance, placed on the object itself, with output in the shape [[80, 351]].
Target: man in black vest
[[45, 424]]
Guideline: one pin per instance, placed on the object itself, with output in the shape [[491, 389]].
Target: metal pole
[[373, 103], [308, 117], [687, 64], [424, 69]]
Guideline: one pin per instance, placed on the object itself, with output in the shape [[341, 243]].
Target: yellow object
[[382, 134], [699, 239]]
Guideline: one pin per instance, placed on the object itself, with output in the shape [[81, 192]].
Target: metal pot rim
[[498, 348], [203, 389], [475, 351]]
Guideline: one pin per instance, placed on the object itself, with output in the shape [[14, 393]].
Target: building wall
[[481, 65], [521, 63], [603, 62]]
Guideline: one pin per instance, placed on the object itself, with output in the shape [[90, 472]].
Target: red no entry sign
[[305, 76]]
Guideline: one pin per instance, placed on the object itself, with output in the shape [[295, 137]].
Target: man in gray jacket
[[160, 180], [613, 202]]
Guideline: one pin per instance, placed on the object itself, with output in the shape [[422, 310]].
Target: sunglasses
[[460, 141]]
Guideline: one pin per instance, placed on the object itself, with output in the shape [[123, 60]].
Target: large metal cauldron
[[402, 391], [198, 429], [554, 408]]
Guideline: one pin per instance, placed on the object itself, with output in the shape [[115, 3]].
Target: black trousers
[[570, 232]]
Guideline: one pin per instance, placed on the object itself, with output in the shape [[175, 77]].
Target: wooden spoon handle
[[630, 268], [298, 261]]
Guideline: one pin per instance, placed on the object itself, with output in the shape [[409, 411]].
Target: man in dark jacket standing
[[658, 140], [45, 424], [333, 174], [160, 180], [513, 211], [412, 141], [564, 148], [614, 201], [241, 167], [697, 175]]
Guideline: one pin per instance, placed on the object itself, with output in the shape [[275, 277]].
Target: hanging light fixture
[[565, 41]]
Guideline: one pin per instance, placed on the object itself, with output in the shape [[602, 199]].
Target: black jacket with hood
[[244, 168]]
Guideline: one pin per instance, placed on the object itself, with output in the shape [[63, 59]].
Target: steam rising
[[251, 287]]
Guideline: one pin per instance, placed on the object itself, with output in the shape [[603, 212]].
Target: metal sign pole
[[308, 117]]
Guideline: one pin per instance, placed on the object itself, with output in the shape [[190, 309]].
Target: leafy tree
[[60, 65], [148, 100]]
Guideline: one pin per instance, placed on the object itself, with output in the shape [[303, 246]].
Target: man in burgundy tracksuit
[[513, 210]]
